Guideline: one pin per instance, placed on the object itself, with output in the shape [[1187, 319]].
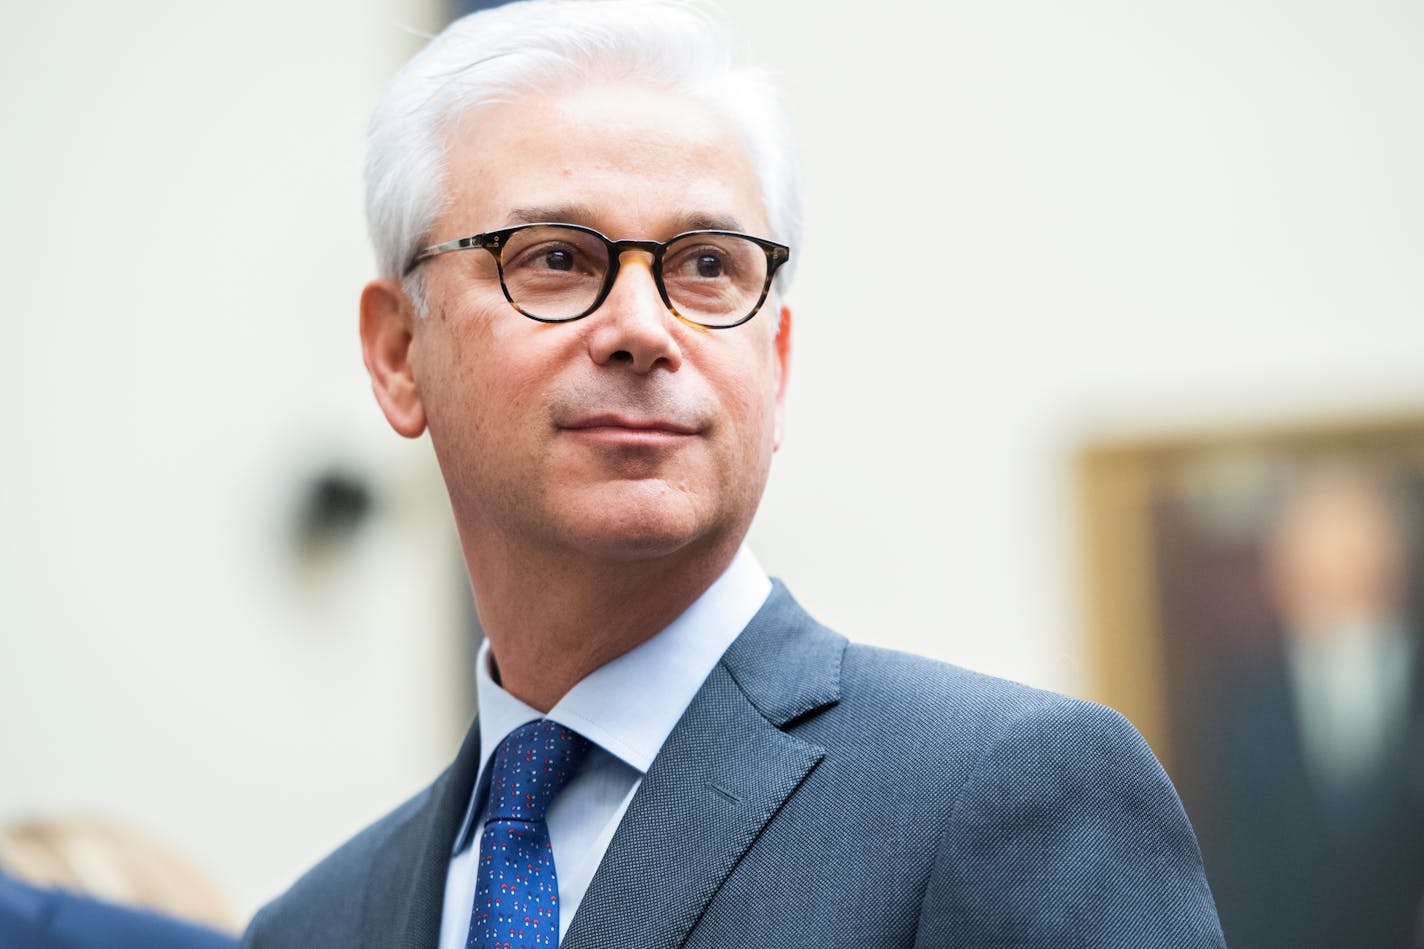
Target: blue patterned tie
[[516, 890]]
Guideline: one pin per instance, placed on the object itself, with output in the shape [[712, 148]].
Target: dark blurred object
[[1257, 601], [35, 918], [333, 507], [459, 8]]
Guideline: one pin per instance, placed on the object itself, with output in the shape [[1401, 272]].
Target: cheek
[[496, 397], [748, 389], [459, 381], [508, 385]]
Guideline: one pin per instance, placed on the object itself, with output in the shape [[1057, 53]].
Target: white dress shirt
[[626, 708], [1352, 690]]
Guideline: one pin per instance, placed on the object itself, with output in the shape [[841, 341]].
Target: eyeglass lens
[[555, 273]]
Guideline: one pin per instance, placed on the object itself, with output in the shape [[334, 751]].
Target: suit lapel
[[724, 772], [405, 895]]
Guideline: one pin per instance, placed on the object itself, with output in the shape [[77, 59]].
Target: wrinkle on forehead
[[578, 213], [600, 156]]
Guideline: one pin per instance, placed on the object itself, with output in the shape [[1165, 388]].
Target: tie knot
[[530, 766]]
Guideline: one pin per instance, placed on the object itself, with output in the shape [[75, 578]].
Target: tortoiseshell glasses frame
[[725, 276]]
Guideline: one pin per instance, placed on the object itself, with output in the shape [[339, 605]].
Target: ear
[[783, 372], [387, 324]]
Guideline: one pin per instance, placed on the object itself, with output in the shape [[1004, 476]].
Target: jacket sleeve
[[1068, 834]]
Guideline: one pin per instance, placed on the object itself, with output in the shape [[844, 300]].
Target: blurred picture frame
[[1253, 604]]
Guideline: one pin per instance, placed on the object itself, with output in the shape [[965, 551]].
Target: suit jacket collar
[[724, 772], [786, 663], [406, 889]]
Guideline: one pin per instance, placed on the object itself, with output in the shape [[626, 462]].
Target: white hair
[[500, 54]]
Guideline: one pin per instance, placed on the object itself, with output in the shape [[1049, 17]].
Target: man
[[669, 751], [35, 918], [1314, 756]]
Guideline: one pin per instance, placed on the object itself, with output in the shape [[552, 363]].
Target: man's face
[[629, 433]]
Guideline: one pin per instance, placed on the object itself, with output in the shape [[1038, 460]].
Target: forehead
[[626, 159]]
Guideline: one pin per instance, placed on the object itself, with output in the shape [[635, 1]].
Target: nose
[[633, 327]]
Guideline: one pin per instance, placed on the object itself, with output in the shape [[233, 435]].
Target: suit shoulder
[[317, 908], [942, 698], [1043, 794], [934, 730]]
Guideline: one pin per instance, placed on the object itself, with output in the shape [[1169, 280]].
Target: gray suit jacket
[[816, 794]]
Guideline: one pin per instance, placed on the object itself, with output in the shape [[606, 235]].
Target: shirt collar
[[629, 705]]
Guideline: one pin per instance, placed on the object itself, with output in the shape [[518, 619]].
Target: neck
[[552, 621]]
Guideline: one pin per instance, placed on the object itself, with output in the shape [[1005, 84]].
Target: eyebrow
[[583, 214], [552, 214]]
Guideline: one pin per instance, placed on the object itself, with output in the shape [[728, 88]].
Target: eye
[[549, 257], [709, 265], [558, 259], [703, 262]]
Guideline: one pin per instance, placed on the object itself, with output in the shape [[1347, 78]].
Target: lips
[[614, 423]]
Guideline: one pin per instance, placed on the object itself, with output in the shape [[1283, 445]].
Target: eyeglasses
[[555, 273]]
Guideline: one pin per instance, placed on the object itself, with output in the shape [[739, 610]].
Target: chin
[[635, 538], [637, 525]]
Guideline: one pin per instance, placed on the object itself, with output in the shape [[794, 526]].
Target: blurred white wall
[[183, 248], [1027, 222], [1090, 216]]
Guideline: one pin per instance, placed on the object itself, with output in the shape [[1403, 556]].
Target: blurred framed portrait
[[1255, 604]]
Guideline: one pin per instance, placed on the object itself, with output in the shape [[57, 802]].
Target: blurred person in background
[[1319, 749], [584, 214], [90, 884]]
